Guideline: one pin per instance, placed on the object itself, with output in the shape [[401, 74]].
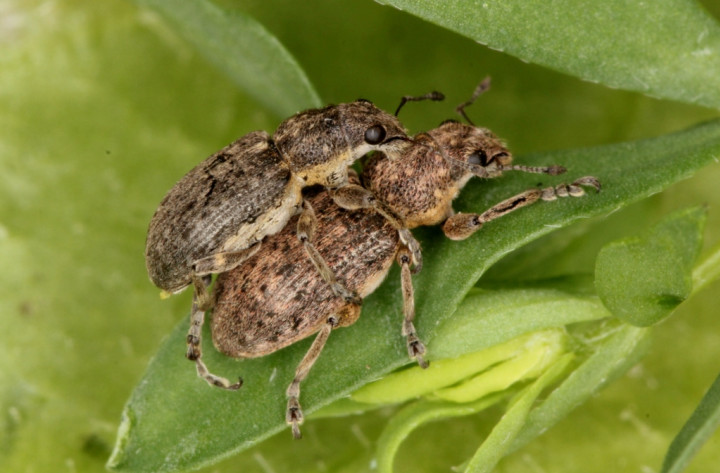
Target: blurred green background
[[103, 106]]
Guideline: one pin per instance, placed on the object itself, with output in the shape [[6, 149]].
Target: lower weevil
[[275, 298]]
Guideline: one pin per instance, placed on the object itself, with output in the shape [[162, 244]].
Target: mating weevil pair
[[275, 297], [217, 215]]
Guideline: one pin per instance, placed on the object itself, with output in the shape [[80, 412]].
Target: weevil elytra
[[275, 299], [219, 212]]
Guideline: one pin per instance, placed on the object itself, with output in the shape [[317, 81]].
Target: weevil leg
[[294, 415], [461, 225], [222, 262], [416, 349], [354, 197], [201, 303], [413, 246], [307, 222]]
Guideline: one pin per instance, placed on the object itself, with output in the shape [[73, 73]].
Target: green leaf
[[663, 48], [708, 270], [604, 350], [481, 320], [642, 279], [402, 424], [244, 50], [528, 365], [513, 420], [174, 421], [615, 349], [533, 355], [519, 357], [696, 431]]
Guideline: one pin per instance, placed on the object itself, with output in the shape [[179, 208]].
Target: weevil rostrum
[[275, 299], [217, 215]]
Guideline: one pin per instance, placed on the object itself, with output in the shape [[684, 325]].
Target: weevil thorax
[[421, 184], [320, 144]]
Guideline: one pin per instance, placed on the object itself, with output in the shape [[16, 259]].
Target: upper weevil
[[218, 213]]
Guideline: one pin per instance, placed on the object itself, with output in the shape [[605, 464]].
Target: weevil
[[419, 188], [275, 299], [217, 215]]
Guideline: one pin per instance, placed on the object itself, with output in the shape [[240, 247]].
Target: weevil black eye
[[478, 157], [375, 134]]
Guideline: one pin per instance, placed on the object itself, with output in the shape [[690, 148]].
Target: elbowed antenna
[[481, 88], [435, 96], [553, 170]]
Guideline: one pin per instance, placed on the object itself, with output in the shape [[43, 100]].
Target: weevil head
[[421, 183], [368, 128], [320, 144], [473, 151]]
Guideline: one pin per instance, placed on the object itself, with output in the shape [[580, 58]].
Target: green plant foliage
[[415, 414], [616, 348], [611, 349], [642, 279], [708, 270], [512, 422], [105, 105], [479, 373], [245, 50], [674, 54], [699, 427], [158, 427]]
